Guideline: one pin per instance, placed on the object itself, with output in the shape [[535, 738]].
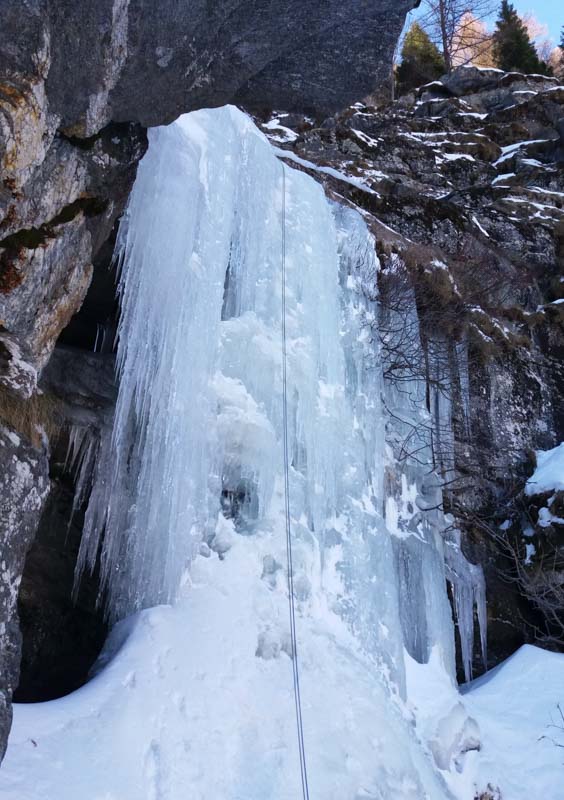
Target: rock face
[[24, 485], [462, 183], [52, 228], [80, 82], [61, 638]]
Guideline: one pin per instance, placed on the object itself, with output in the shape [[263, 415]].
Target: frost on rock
[[193, 467]]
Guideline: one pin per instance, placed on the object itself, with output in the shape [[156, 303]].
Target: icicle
[[80, 460], [192, 466], [469, 593]]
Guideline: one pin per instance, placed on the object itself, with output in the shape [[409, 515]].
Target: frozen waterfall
[[196, 443], [187, 502]]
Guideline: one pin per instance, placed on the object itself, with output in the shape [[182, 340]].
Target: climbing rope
[[291, 603]]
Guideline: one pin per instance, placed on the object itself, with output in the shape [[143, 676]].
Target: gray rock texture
[[24, 485], [63, 635], [463, 187], [79, 82], [52, 227], [38, 513]]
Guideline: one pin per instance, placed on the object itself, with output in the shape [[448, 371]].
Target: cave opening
[[93, 328], [63, 636]]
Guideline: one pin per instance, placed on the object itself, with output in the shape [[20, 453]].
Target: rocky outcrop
[[79, 83], [40, 475], [462, 183], [52, 228], [24, 485]]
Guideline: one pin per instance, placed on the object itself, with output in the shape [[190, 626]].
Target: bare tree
[[473, 43], [449, 23], [543, 586], [556, 62], [540, 580]]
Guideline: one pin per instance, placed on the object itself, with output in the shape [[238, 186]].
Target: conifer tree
[[421, 61], [512, 47]]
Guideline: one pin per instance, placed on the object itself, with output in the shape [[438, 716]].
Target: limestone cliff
[[461, 182]]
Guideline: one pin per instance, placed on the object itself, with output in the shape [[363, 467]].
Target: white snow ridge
[[192, 697]]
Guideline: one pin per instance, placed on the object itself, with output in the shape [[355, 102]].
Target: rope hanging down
[[291, 603]]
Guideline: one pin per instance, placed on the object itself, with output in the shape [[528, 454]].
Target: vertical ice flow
[[197, 432]]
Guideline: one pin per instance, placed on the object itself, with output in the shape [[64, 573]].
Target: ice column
[[195, 448]]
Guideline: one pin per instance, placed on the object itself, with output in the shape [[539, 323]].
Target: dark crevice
[[121, 130], [61, 638], [30, 238], [12, 247], [94, 326]]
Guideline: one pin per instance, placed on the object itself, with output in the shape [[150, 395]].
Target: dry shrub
[[41, 413], [491, 793]]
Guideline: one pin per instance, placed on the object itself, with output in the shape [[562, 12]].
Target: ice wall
[[197, 430]]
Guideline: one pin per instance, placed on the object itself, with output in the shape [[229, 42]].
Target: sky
[[549, 12]]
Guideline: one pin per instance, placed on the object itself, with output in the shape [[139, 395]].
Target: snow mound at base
[[180, 710], [516, 705]]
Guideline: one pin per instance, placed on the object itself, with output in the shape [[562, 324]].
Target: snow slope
[[516, 705], [186, 709]]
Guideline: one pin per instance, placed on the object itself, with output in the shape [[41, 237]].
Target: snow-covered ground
[[198, 704], [517, 708], [205, 710], [520, 727]]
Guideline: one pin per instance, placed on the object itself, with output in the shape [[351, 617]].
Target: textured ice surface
[[197, 430], [469, 594], [187, 507]]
